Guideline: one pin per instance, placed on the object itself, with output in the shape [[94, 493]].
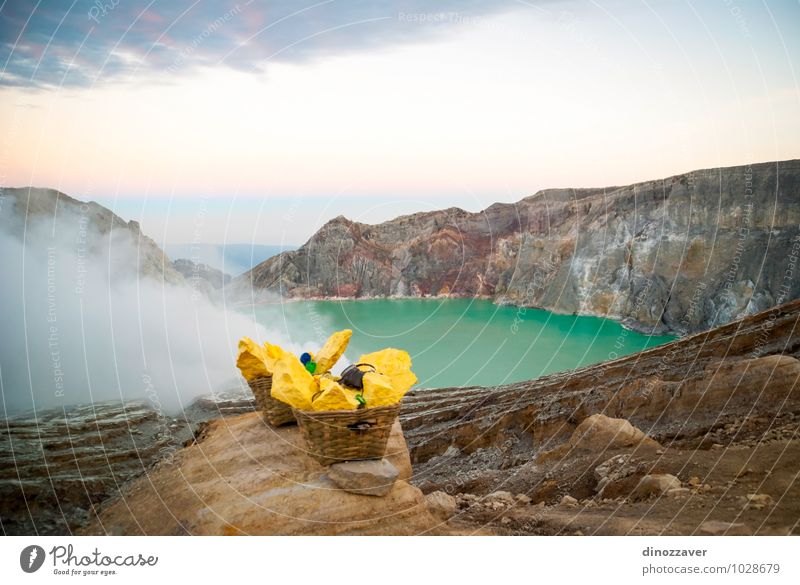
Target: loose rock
[[568, 502], [441, 505], [719, 528], [506, 498], [655, 485], [370, 478]]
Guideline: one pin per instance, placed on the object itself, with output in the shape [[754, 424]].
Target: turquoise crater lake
[[459, 342]]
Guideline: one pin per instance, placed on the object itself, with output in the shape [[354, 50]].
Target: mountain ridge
[[637, 253]]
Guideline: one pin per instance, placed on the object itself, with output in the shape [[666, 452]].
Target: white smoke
[[80, 325]]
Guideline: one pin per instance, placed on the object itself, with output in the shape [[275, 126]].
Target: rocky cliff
[[243, 477], [718, 411], [682, 254], [723, 405], [43, 217], [197, 271]]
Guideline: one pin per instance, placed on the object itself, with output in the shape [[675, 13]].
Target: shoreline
[[625, 322]]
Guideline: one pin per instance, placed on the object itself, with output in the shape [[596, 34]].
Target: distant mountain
[[233, 259], [680, 254], [192, 272], [81, 229]]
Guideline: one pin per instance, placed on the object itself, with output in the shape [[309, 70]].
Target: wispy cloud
[[89, 42]]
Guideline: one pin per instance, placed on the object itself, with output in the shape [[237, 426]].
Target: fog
[[80, 324]]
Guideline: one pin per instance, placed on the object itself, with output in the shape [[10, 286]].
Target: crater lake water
[[458, 342]]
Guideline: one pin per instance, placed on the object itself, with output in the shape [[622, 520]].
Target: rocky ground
[[699, 436], [720, 412], [243, 476], [745, 484], [57, 466]]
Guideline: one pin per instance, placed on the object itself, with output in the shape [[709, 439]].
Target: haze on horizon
[[256, 114]]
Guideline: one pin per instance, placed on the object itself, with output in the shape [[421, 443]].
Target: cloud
[[87, 42]]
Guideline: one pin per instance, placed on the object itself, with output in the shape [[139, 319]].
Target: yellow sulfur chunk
[[334, 396], [291, 382], [379, 391], [251, 359], [395, 364], [272, 353], [332, 350]]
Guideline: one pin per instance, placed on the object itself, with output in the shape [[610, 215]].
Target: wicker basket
[[333, 436], [276, 413]]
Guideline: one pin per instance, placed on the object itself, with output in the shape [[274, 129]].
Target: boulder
[[505, 498], [758, 501], [375, 477], [679, 493], [599, 433], [246, 477], [441, 505], [568, 502], [655, 484]]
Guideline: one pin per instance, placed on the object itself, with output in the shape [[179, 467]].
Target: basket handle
[[362, 425]]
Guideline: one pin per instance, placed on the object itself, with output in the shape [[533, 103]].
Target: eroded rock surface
[[681, 254], [244, 477], [56, 467]]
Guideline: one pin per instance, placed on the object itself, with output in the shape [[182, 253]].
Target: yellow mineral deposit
[[396, 365], [379, 391], [334, 396], [291, 382], [251, 359], [332, 350], [272, 353]]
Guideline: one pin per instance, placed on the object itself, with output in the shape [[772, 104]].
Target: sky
[[259, 121]]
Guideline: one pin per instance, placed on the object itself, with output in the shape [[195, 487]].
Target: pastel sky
[[258, 121]]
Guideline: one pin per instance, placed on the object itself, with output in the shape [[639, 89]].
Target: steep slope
[[681, 254], [82, 229]]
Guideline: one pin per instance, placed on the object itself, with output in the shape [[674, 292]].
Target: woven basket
[[333, 436], [276, 413]]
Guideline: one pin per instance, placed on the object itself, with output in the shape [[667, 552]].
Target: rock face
[[482, 445], [369, 478], [681, 254], [84, 229], [441, 505], [245, 477], [599, 433], [553, 439], [58, 466], [656, 484], [688, 388], [196, 272]]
